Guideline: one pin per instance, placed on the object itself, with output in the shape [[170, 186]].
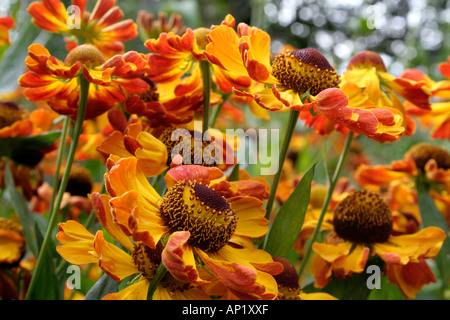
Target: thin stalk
[[206, 79], [61, 150], [84, 90], [159, 274], [333, 182]]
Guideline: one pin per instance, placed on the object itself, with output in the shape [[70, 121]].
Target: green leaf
[[431, 216], [387, 291], [234, 175], [289, 220], [101, 288], [27, 150], [33, 236], [27, 220]]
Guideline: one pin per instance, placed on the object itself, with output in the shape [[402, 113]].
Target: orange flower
[[246, 53], [383, 124], [373, 105], [356, 236], [6, 23], [101, 27], [436, 118], [57, 82], [216, 237], [130, 140], [149, 27]]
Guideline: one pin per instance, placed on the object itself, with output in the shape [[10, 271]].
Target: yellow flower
[[363, 227]]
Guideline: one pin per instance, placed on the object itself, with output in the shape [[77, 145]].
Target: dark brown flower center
[[151, 94], [9, 113], [363, 217], [423, 152], [147, 259], [288, 282], [304, 69], [179, 141], [80, 181], [191, 206]]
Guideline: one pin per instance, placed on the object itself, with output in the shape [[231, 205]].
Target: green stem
[[333, 182], [292, 122], [61, 150], [84, 90], [159, 274], [206, 78]]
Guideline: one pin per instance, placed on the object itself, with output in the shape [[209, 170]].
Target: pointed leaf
[[431, 216], [27, 150], [101, 288], [289, 220]]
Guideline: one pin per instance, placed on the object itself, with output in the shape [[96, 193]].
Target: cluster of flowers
[[198, 237]]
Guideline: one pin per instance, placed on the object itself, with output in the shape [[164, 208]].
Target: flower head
[[6, 23], [246, 53], [102, 27], [359, 231], [56, 82]]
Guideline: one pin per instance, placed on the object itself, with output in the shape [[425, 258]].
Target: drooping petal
[[178, 258]]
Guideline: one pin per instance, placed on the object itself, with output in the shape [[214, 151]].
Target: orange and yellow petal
[[381, 124], [243, 281], [136, 291], [410, 278], [77, 243], [178, 258], [252, 221], [115, 262], [402, 249], [50, 15], [138, 218], [104, 215]]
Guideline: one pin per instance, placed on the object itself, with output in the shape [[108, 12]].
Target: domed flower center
[[363, 217], [87, 54], [191, 206], [366, 59], [304, 69], [9, 113], [151, 94], [288, 284], [423, 152], [80, 181], [147, 259], [181, 141], [201, 37]]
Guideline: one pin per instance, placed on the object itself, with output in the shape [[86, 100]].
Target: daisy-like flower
[[156, 150], [289, 286], [103, 27], [151, 28], [12, 251], [130, 139], [175, 65], [246, 53], [80, 247], [369, 102], [57, 83], [202, 224], [423, 159], [6, 23], [426, 159], [362, 226], [436, 118]]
